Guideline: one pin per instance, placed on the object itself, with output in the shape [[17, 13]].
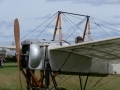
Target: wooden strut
[[89, 34], [27, 79], [60, 30], [56, 26], [34, 78], [85, 27]]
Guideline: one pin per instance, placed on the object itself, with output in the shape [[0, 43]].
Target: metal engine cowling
[[34, 56], [31, 54]]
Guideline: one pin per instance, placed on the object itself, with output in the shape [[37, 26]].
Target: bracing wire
[[107, 27], [72, 84], [75, 25], [100, 58], [105, 82], [105, 22], [45, 27], [101, 28], [81, 57], [37, 27], [102, 77], [69, 29], [67, 58], [97, 60], [75, 16]]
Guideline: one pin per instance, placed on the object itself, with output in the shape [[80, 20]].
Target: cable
[[38, 26], [78, 27], [82, 57], [100, 27], [67, 58], [45, 28], [105, 83], [105, 22]]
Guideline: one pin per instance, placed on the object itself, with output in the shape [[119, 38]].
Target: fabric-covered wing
[[101, 57], [106, 49]]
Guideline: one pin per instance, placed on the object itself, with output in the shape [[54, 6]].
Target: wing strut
[[85, 27], [60, 29], [89, 34]]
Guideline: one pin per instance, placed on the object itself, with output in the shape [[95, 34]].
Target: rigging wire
[[82, 57], [108, 72], [98, 59], [106, 82], [90, 81], [107, 27], [101, 28], [72, 83], [105, 22], [45, 27], [72, 27], [78, 27], [75, 16], [38, 26], [96, 83], [67, 58], [65, 80], [69, 29], [110, 28]]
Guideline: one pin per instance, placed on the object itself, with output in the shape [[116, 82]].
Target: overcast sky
[[32, 12]]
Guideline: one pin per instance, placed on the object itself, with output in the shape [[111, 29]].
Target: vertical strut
[[60, 30], [85, 27], [86, 81], [29, 78], [80, 82], [56, 26], [48, 71], [46, 68]]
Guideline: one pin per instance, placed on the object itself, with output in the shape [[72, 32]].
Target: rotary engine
[[32, 55]]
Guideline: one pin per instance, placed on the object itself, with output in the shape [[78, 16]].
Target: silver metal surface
[[7, 52], [34, 56]]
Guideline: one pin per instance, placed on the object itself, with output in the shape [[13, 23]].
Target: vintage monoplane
[[97, 58]]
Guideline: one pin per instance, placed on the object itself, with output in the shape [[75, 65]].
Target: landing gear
[[46, 75], [85, 82]]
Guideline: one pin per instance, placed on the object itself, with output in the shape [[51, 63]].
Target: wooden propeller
[[17, 42]]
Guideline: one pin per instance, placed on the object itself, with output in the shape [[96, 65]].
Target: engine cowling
[[35, 56], [32, 54]]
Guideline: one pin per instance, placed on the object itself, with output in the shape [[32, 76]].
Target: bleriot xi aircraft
[[98, 58], [8, 52]]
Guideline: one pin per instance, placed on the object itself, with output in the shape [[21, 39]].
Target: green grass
[[9, 80]]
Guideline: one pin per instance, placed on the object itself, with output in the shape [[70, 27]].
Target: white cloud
[[93, 2]]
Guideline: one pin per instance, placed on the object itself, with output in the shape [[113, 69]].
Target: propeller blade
[[17, 42], [17, 35]]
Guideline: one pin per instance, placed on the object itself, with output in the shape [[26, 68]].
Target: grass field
[[9, 80]]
